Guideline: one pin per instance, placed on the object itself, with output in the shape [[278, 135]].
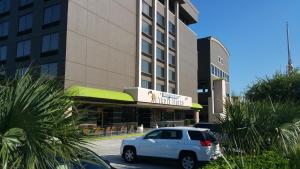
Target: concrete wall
[[101, 44], [188, 62]]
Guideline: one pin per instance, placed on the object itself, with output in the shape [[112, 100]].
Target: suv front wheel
[[188, 161], [129, 154]]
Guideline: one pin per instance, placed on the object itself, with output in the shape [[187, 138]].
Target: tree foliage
[[37, 125], [280, 87], [253, 127]]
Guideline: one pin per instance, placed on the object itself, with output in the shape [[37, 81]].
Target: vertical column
[[139, 42], [177, 45], [167, 44], [154, 28]]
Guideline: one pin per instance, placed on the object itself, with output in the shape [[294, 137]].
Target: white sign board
[[158, 97]]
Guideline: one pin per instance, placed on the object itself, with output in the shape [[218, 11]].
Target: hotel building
[[125, 61]]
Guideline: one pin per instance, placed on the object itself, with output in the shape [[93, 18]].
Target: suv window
[[154, 134], [171, 134], [202, 135]]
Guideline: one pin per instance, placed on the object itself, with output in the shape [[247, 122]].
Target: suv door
[[150, 144], [170, 143]]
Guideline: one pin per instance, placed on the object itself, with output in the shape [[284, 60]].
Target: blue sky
[[254, 33]]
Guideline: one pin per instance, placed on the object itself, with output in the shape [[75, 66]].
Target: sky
[[254, 32]]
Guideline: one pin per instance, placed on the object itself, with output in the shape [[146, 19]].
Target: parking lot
[[110, 150]]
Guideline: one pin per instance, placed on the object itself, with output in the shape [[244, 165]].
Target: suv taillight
[[206, 143]]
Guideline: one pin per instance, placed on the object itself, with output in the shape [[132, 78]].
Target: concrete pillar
[[196, 116]]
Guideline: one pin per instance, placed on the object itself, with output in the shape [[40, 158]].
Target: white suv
[[189, 145]]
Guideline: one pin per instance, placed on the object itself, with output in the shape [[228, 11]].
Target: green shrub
[[295, 159], [267, 160]]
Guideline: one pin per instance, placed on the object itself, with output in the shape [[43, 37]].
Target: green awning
[[196, 106], [79, 91]]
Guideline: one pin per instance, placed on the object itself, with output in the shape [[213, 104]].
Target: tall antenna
[[290, 67]]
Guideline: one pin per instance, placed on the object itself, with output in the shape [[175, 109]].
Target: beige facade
[[103, 40], [101, 44]]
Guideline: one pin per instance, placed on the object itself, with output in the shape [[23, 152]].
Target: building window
[[3, 53], [25, 22], [147, 28], [172, 90], [146, 67], [4, 29], [160, 20], [4, 6], [172, 59], [147, 9], [162, 1], [146, 84], [160, 87], [160, 37], [25, 2], [50, 42], [160, 71], [171, 28], [172, 75], [171, 43], [146, 47], [52, 14], [24, 48], [49, 70], [160, 54]]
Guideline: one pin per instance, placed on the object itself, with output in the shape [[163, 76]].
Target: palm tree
[[253, 127], [38, 127]]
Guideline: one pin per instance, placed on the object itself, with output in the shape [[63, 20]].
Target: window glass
[[160, 54], [160, 71], [50, 42], [146, 84], [171, 28], [172, 90], [171, 43], [196, 135], [147, 28], [146, 67], [171, 134], [146, 47], [171, 59], [160, 20], [160, 87], [154, 134], [147, 9], [25, 22], [25, 2], [4, 29], [4, 6], [49, 70], [24, 48], [160, 37], [3, 53], [52, 14], [172, 75]]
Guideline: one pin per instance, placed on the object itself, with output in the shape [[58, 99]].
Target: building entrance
[[144, 117]]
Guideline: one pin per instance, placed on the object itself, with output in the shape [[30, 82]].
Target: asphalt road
[[110, 150]]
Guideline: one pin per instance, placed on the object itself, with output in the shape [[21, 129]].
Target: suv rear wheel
[[188, 161], [129, 154]]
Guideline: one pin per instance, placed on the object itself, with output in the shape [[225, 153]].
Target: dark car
[[212, 126]]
